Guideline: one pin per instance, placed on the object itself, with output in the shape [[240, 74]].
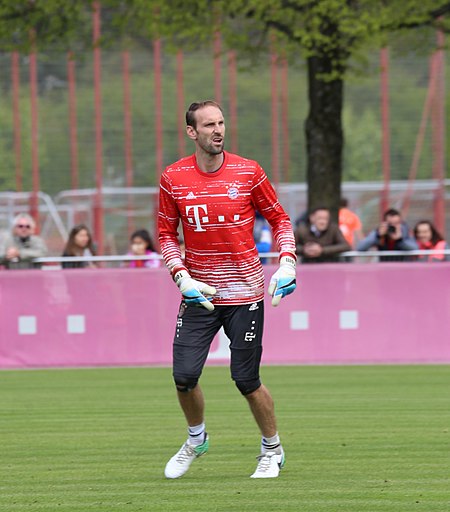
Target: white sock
[[269, 444], [196, 434]]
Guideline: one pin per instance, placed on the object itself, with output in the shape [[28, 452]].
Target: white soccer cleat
[[269, 464], [185, 456]]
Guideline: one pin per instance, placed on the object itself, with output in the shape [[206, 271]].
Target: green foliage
[[362, 158], [7, 158], [7, 150], [361, 117], [333, 27], [296, 29], [52, 21]]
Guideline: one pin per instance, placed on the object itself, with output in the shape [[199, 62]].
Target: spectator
[[349, 224], [141, 244], [79, 244], [262, 235], [391, 235], [428, 238], [19, 248], [319, 240]]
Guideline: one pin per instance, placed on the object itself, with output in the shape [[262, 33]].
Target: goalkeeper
[[215, 195]]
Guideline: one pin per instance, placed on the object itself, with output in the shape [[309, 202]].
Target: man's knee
[[248, 386], [185, 384]]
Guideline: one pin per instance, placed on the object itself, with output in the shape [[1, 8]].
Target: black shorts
[[196, 328]]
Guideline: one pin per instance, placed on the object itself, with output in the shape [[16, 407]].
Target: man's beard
[[212, 149]]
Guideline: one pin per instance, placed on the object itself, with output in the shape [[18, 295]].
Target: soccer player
[[215, 195]]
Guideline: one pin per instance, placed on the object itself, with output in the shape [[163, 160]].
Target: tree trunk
[[324, 136]]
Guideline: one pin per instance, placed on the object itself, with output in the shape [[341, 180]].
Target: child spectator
[[79, 244], [428, 238], [141, 244]]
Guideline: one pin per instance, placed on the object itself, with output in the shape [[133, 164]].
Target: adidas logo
[[190, 196], [253, 307]]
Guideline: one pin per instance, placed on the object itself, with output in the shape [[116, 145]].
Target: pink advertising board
[[340, 314]]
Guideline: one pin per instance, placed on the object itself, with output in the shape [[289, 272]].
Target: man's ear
[[191, 132]]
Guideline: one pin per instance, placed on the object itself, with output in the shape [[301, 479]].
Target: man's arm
[[5, 242], [168, 220], [407, 242], [371, 240], [283, 281], [37, 249], [266, 201], [194, 292]]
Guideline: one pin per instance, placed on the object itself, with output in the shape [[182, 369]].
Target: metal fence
[[126, 209], [53, 262], [59, 153]]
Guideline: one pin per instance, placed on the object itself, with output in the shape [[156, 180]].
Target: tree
[[330, 34]]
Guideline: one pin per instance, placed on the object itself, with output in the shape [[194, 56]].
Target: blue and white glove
[[283, 282], [195, 293]]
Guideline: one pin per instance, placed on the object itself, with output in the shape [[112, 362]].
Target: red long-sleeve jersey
[[217, 211]]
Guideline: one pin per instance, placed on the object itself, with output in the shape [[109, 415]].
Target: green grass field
[[373, 438]]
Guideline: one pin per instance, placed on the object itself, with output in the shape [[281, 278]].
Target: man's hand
[[312, 249], [397, 234], [283, 282], [194, 292], [382, 229], [12, 253]]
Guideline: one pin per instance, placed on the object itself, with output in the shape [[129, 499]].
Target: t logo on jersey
[[196, 219], [200, 212]]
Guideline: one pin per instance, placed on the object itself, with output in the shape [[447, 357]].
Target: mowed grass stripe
[[373, 438]]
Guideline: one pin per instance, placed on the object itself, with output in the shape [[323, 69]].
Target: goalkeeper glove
[[194, 292], [282, 282]]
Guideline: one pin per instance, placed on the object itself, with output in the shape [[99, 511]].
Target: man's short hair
[[318, 208], [391, 213], [193, 107], [29, 219]]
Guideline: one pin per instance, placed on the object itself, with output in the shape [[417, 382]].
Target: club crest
[[233, 193]]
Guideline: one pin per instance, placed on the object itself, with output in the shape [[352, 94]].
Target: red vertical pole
[[127, 127], [157, 73], [73, 121], [285, 118], [232, 75], [385, 129], [34, 206], [15, 77], [431, 94], [217, 67], [128, 135], [158, 107], [275, 130], [438, 135], [180, 106], [98, 201]]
